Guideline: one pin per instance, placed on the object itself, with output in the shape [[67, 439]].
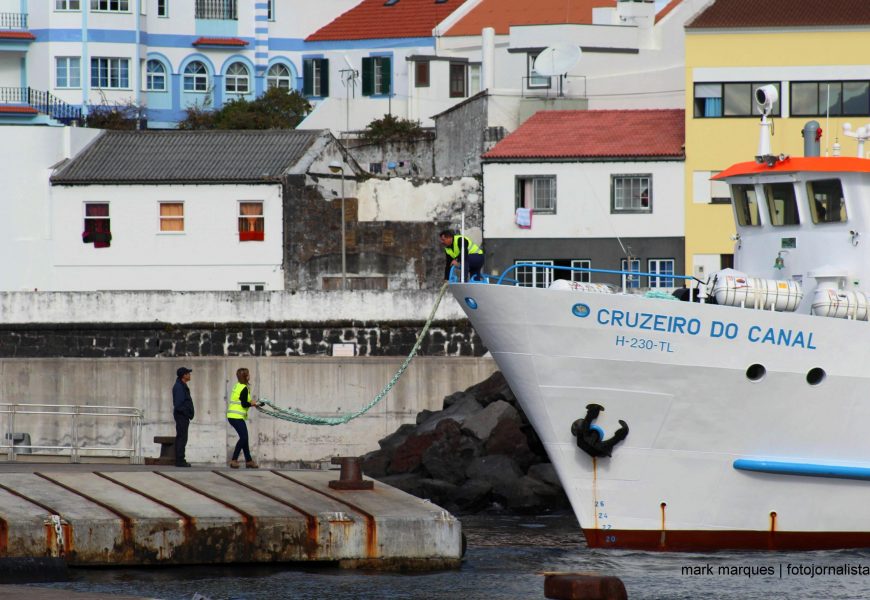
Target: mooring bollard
[[350, 477], [572, 586]]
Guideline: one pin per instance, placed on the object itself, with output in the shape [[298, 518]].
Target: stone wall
[[413, 159], [460, 138], [109, 340]]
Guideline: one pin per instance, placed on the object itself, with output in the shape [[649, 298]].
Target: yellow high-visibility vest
[[455, 251], [235, 410]]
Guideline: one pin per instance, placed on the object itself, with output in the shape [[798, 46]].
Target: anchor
[[590, 439]]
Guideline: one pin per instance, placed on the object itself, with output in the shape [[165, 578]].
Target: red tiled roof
[[16, 35], [219, 41], [17, 110], [596, 134], [782, 13], [371, 19], [501, 14]]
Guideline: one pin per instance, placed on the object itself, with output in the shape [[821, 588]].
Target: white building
[[604, 190], [178, 210]]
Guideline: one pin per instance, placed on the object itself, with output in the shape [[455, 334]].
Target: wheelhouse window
[[237, 80], [581, 276], [536, 192], [68, 71], [226, 10], [155, 76], [110, 73], [458, 76], [729, 100], [251, 222], [631, 265], [826, 201], [195, 77], [315, 77], [533, 79], [111, 5], [745, 204], [534, 275], [781, 204], [631, 193], [172, 217], [278, 76], [97, 226], [376, 74], [421, 73], [664, 268], [820, 98]]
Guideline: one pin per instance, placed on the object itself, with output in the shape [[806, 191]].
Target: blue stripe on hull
[[805, 469]]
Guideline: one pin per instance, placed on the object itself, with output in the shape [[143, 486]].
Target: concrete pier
[[121, 515]]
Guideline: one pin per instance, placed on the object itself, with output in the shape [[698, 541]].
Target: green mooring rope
[[296, 416]]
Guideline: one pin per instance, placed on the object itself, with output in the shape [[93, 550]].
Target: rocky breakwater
[[478, 453]]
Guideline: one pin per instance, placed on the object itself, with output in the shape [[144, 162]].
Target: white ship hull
[[681, 376]]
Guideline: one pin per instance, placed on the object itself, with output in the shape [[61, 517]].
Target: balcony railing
[[217, 9], [17, 21], [44, 102]]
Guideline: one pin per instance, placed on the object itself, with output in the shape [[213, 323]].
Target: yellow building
[[814, 52]]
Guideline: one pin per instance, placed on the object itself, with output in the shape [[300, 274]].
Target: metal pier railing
[[70, 422]]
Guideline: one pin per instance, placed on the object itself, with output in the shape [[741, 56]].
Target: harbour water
[[506, 559]]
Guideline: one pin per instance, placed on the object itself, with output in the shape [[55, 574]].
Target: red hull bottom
[[698, 540]]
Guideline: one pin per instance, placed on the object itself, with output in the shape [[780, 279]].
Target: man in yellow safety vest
[[237, 414], [453, 246]]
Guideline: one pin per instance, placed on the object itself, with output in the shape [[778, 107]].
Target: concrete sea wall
[[325, 386]]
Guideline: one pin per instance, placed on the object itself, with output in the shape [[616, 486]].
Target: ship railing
[[74, 423], [627, 277]]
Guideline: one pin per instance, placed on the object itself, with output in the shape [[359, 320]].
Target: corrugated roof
[[725, 14], [501, 14], [187, 157], [373, 19], [589, 134]]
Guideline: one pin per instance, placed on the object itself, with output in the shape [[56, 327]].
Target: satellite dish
[[557, 60]]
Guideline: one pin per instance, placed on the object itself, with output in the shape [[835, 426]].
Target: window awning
[[220, 41]]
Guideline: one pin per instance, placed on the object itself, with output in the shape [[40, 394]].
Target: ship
[[731, 414]]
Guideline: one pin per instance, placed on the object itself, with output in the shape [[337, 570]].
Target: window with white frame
[[171, 217], [473, 79], [632, 265], [537, 192], [582, 276], [155, 76], [664, 268], [237, 80], [111, 5], [279, 76], [376, 75], [162, 8], [270, 10], [251, 222], [67, 5], [110, 73], [68, 71], [195, 77], [315, 77], [534, 275], [631, 193], [97, 227], [534, 80], [224, 10]]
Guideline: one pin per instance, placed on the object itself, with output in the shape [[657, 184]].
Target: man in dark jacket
[[183, 412]]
